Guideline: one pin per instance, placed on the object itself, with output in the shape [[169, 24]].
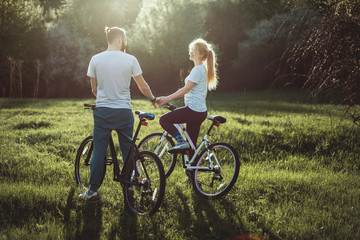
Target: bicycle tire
[[151, 142], [224, 177], [82, 163], [144, 187]]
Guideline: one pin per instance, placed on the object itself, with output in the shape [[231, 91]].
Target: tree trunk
[[37, 66], [12, 80], [19, 67]]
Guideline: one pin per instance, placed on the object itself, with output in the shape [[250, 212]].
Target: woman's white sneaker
[[179, 147]]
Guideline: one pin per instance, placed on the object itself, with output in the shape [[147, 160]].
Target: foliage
[[22, 29], [299, 177], [259, 55], [327, 58], [74, 38], [160, 38], [57, 39]]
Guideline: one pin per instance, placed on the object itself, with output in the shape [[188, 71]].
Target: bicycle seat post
[[142, 117], [138, 130]]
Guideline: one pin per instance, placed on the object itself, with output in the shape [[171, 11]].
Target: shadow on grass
[[125, 227], [228, 207], [131, 226], [207, 219], [88, 221]]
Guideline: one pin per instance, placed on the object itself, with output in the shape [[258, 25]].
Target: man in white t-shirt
[[110, 74]]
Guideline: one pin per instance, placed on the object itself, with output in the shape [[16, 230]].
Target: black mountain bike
[[142, 177], [212, 171]]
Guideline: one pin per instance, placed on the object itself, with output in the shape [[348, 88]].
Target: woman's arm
[[179, 93]]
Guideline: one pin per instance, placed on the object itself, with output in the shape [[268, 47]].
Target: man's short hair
[[113, 33]]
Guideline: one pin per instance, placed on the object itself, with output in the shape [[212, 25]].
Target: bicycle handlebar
[[169, 106], [89, 106]]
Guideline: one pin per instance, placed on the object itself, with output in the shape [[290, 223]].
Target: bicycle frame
[[204, 143], [134, 148], [117, 172]]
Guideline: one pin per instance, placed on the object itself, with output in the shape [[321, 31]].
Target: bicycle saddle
[[217, 118], [145, 115]]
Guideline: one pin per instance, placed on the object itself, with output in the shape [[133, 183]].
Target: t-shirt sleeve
[[91, 69], [136, 68], [195, 75]]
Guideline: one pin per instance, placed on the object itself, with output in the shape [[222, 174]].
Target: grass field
[[299, 177]]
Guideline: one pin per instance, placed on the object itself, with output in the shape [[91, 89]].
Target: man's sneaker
[[179, 147], [93, 197]]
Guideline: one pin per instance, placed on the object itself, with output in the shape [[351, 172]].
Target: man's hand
[[154, 102]]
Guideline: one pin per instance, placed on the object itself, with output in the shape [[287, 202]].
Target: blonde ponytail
[[212, 79], [209, 56]]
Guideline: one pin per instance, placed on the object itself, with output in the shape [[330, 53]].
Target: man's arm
[[144, 87], [93, 85]]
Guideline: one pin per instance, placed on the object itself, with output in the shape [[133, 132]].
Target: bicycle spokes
[[145, 189], [159, 144], [223, 167], [82, 163]]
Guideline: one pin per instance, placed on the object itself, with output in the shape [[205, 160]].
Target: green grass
[[299, 177]]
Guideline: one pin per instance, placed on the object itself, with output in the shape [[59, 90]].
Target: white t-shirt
[[113, 71], [195, 99]]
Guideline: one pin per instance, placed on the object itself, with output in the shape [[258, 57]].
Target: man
[[110, 74]]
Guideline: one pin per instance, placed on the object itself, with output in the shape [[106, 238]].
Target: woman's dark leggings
[[192, 119]]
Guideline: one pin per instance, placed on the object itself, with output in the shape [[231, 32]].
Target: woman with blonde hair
[[201, 79]]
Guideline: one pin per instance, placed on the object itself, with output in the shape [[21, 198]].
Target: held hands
[[161, 100]]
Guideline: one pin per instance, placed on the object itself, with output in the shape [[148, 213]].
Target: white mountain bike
[[213, 172]]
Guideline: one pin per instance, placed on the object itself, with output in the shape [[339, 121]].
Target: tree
[[259, 56], [160, 38], [75, 37], [328, 56], [238, 27], [22, 27]]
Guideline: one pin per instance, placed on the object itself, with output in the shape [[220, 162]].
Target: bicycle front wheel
[[82, 163], [144, 187], [159, 145], [220, 163]]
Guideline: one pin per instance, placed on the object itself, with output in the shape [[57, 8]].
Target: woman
[[201, 78]]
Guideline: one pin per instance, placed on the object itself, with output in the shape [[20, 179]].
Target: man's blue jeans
[[106, 120]]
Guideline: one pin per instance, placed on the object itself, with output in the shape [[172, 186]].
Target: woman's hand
[[162, 100]]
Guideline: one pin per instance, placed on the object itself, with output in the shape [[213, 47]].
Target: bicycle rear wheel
[[154, 144], [144, 187], [218, 180], [82, 162]]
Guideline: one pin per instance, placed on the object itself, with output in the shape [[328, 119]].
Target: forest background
[[46, 45]]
